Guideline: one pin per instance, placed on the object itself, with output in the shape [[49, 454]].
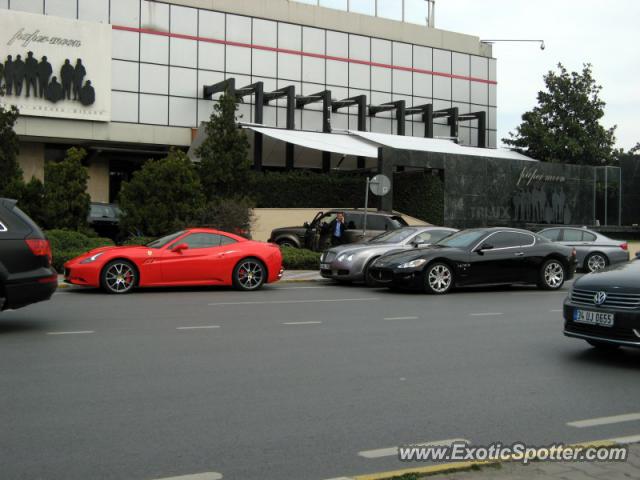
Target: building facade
[[148, 62]]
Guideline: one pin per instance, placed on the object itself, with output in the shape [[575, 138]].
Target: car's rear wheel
[[595, 262], [119, 276], [438, 278], [368, 280], [603, 346], [552, 275], [285, 242], [249, 274]]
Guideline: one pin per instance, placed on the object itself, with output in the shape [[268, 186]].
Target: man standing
[[18, 74], [78, 79], [337, 228], [8, 75], [31, 74], [44, 74], [66, 78]]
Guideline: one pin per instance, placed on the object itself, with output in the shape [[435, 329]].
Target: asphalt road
[[298, 381]]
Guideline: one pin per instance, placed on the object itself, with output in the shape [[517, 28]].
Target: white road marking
[[400, 318], [594, 422], [301, 323], [556, 311], [201, 327], [625, 440], [392, 451], [279, 302], [295, 288], [196, 476], [488, 314], [81, 332]]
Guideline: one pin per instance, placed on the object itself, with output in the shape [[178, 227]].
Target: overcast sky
[[603, 33]]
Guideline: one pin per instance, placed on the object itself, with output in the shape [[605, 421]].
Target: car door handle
[[519, 254]]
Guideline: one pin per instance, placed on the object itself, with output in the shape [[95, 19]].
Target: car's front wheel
[[595, 262], [552, 275], [119, 276], [250, 274], [438, 278]]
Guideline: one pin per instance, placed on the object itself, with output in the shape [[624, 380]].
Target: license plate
[[325, 266], [593, 318]]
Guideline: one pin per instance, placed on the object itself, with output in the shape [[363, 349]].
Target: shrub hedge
[[419, 194], [300, 259], [67, 244]]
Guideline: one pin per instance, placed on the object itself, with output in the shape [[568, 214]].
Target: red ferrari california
[[197, 256]]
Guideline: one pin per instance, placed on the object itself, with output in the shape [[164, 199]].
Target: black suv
[[316, 235], [26, 274]]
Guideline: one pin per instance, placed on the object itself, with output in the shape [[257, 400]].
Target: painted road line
[[400, 318], [301, 323], [201, 327], [295, 288], [594, 422], [80, 332], [281, 302], [625, 440], [556, 311], [488, 314], [196, 476], [393, 451]]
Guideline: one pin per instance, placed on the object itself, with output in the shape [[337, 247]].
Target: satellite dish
[[380, 185]]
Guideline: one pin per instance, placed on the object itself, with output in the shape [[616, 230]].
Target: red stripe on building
[[301, 53]]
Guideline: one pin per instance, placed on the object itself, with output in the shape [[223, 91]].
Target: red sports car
[[197, 256]]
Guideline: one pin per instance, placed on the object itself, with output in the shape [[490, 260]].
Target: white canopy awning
[[343, 144]]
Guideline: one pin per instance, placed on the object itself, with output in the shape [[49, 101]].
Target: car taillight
[[624, 246], [40, 248]]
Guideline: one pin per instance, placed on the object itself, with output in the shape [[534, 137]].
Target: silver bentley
[[349, 263]]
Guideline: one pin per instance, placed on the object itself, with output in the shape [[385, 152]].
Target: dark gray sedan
[[349, 263], [595, 251]]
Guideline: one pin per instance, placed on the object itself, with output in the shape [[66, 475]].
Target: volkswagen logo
[[599, 298]]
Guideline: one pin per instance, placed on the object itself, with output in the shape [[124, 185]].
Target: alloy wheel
[[596, 262], [120, 277], [250, 275], [439, 278], [554, 275]]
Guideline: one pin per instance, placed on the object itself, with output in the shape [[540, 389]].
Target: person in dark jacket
[[44, 74], [78, 77], [18, 74], [31, 74], [66, 77], [337, 230], [87, 94], [1, 74], [54, 92], [8, 75]]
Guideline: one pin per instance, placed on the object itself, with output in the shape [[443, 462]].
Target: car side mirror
[[483, 247], [180, 247], [418, 244], [305, 224]]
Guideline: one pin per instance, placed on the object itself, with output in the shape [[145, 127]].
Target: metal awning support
[[256, 89], [289, 93], [482, 125], [427, 117], [359, 101], [452, 115], [400, 106], [325, 98]]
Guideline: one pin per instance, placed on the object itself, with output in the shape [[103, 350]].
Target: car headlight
[[92, 258], [413, 264], [345, 258]]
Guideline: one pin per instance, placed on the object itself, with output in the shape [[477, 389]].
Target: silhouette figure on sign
[[44, 74], [31, 74], [66, 77], [54, 91], [18, 74], [78, 77], [8, 74], [87, 94]]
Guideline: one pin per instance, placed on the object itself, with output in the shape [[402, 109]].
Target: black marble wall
[[485, 191]]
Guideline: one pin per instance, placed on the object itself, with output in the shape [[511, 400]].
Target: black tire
[[119, 277], [285, 242], [552, 275], [249, 275], [368, 281], [595, 261], [603, 346], [438, 278]]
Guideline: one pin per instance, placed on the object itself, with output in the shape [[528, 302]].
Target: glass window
[[365, 7], [588, 237], [571, 235], [432, 236], [201, 240], [353, 221], [376, 222], [391, 9], [337, 4], [161, 242], [394, 236], [553, 234], [465, 239], [510, 239], [224, 240]]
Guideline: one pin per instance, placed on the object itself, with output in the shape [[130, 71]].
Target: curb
[[477, 465]]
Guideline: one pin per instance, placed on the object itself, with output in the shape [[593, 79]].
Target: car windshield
[[161, 242], [394, 236], [462, 239]]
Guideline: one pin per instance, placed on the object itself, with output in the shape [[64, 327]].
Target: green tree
[[565, 125], [66, 201], [11, 173], [163, 196], [224, 155]]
